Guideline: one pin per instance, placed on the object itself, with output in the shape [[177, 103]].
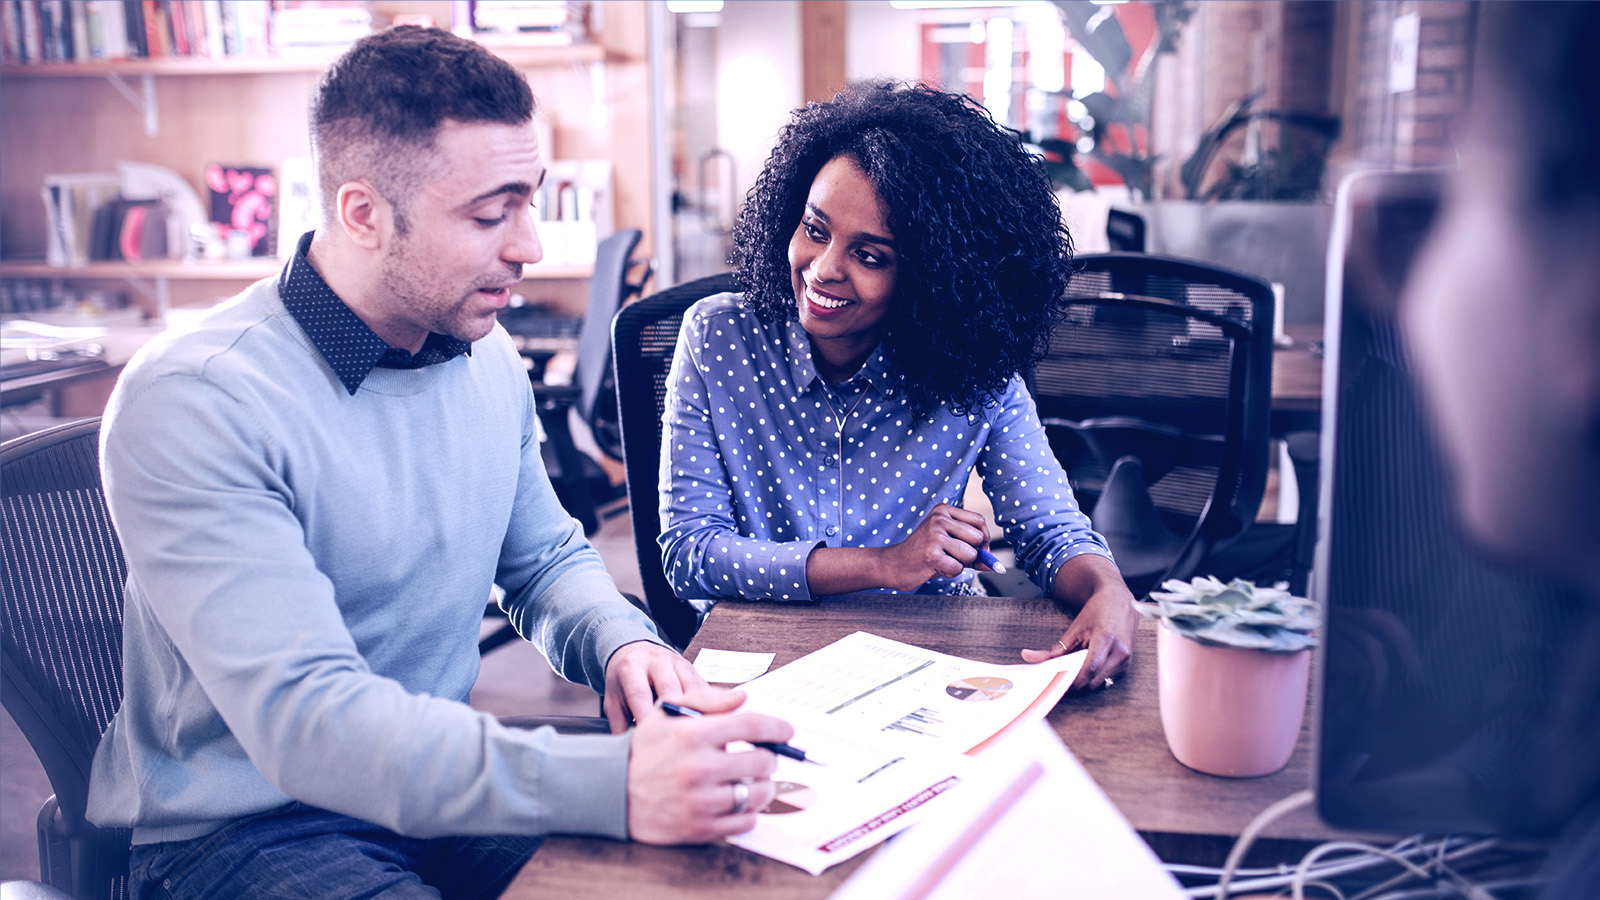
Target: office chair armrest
[[562, 724], [536, 361], [556, 396]]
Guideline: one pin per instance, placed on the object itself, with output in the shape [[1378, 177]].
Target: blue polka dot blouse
[[762, 461]]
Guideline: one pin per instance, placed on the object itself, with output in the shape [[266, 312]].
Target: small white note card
[[731, 666]]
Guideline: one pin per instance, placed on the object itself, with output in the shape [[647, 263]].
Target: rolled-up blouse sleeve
[[1028, 487], [703, 550]]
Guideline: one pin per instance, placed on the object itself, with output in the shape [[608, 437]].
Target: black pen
[[794, 753]]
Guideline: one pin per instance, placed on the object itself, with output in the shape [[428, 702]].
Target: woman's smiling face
[[843, 263]]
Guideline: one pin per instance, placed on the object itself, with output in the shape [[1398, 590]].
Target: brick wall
[[1416, 127], [1323, 56]]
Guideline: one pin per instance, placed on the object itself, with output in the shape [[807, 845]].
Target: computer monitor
[[1441, 670]]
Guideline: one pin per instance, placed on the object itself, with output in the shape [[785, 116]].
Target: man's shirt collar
[[349, 347]]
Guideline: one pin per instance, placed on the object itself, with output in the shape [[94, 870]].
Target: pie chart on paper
[[791, 798], [979, 689]]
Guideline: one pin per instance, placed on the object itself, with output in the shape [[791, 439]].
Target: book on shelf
[[575, 209], [71, 202], [241, 206], [45, 31], [299, 205], [323, 29], [130, 230], [523, 22]]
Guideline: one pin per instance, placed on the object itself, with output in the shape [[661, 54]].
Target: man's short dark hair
[[379, 106]]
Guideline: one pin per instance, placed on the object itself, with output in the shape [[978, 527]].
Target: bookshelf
[[523, 57], [228, 270], [174, 269], [60, 118]]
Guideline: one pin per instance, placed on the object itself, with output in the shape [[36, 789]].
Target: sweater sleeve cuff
[[609, 636], [586, 785]]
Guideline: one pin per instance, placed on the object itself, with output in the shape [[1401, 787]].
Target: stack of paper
[[898, 727]]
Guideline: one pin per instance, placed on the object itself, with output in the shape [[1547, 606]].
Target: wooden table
[[1297, 381], [1116, 733]]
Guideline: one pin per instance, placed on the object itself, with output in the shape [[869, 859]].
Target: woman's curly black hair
[[983, 255]]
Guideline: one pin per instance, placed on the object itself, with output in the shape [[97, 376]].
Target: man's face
[[1500, 321], [470, 231]]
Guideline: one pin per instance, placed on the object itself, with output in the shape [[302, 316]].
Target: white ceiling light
[[694, 6]]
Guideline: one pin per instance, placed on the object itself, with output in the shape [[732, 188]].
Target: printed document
[[1031, 825], [897, 727]]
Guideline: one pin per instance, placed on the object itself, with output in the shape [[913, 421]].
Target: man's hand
[[682, 779], [637, 674]]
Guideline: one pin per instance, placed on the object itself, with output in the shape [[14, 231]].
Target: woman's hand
[[944, 544], [1104, 624]]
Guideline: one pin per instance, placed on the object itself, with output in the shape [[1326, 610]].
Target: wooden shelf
[[175, 269], [233, 65], [239, 270], [518, 55]]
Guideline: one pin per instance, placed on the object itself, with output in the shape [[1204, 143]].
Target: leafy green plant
[[1237, 614], [1260, 154]]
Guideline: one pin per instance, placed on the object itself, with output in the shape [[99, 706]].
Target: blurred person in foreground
[[1502, 319]]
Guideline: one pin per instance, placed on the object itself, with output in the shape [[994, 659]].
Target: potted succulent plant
[[1234, 664]]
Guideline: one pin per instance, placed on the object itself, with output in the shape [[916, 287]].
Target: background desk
[[1116, 733], [75, 388], [1297, 381]]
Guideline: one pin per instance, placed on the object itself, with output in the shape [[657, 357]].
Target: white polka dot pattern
[[755, 472]]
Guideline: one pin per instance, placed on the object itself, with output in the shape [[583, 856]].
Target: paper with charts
[[897, 726], [1032, 825]]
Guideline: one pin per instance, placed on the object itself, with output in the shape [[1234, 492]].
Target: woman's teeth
[[826, 302]]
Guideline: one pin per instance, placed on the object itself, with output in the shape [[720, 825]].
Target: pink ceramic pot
[[1227, 711]]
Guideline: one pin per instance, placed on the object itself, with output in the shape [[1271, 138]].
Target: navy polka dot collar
[[350, 348], [803, 367]]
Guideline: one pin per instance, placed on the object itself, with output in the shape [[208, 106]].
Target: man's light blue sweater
[[307, 574]]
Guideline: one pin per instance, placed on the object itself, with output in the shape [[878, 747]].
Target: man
[[1503, 322], [316, 488]]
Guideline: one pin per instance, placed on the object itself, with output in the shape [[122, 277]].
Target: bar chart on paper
[[899, 726]]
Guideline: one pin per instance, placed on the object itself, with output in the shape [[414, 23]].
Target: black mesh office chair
[[1156, 394], [61, 654], [581, 483], [1125, 230], [643, 339]]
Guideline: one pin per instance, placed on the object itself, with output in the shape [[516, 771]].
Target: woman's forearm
[[1087, 575], [840, 570]]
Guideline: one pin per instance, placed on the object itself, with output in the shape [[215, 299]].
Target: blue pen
[[989, 559], [794, 753]]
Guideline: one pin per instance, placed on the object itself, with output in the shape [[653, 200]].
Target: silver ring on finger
[[741, 798], [1062, 646]]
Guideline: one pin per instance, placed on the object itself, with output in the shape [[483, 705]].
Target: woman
[[903, 260]]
